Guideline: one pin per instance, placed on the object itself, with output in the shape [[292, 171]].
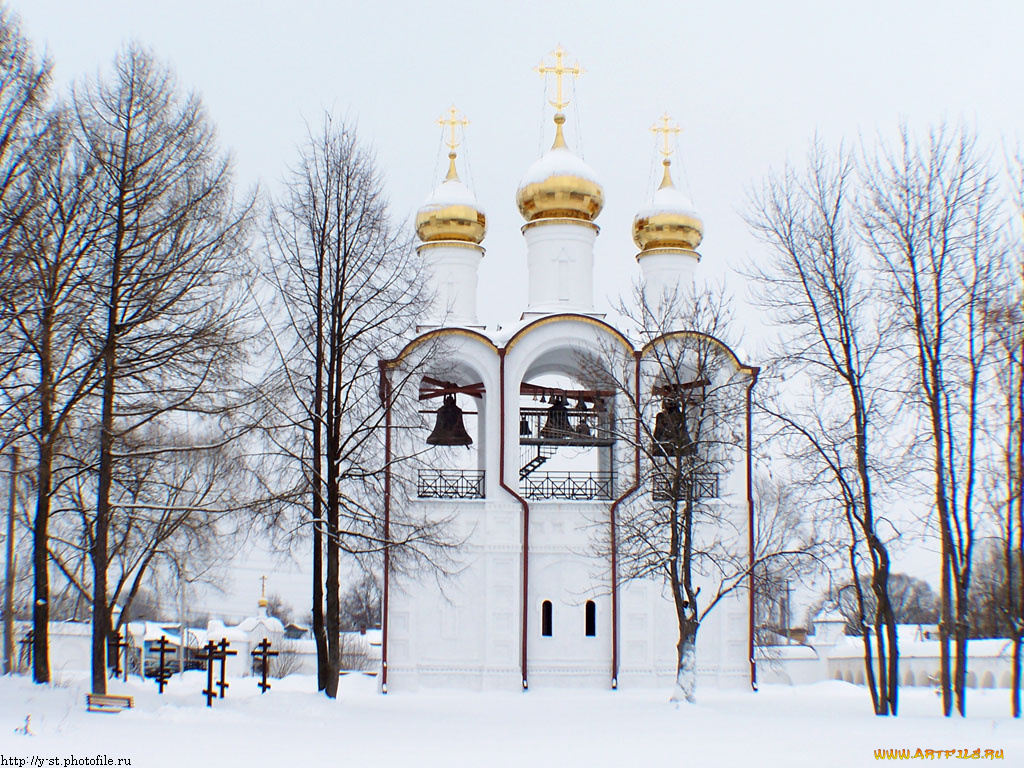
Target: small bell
[[524, 427], [557, 424], [449, 429]]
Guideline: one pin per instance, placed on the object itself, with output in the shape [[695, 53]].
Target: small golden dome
[[560, 185], [670, 220], [451, 212]]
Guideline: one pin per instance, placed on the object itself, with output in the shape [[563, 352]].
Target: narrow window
[[545, 618], [591, 619]]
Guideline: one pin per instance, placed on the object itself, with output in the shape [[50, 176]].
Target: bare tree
[[24, 82], [52, 314], [168, 255], [361, 605], [349, 292], [913, 602], [166, 505], [932, 218], [816, 285], [686, 526]]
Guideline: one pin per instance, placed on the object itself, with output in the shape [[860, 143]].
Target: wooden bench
[[97, 702]]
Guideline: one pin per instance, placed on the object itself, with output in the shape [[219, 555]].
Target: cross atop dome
[[452, 120], [666, 128], [559, 71]]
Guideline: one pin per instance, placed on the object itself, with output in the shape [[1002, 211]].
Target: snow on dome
[[669, 200], [451, 212], [668, 221], [560, 185], [450, 192], [557, 162]]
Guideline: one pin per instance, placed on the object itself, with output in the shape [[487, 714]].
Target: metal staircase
[[544, 452]]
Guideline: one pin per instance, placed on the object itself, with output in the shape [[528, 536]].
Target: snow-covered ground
[[826, 724]]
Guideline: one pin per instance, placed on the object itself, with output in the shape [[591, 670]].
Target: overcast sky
[[749, 82]]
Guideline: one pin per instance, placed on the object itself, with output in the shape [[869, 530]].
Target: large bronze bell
[[557, 424], [449, 429], [670, 432]]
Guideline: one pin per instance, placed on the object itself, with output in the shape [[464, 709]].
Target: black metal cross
[[209, 655], [163, 674], [115, 644], [263, 653], [222, 654]]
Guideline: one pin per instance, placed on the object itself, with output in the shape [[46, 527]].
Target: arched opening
[[692, 415], [908, 680], [988, 680], [848, 676], [1006, 679], [838, 676], [451, 406], [859, 679], [545, 619], [591, 619], [972, 679], [566, 429]]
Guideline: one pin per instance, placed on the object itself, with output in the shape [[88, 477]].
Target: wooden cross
[[666, 128], [263, 653], [559, 71], [163, 674], [222, 654], [453, 121]]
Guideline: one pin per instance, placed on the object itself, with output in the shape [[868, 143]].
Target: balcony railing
[[705, 486], [450, 484], [576, 486], [582, 428]]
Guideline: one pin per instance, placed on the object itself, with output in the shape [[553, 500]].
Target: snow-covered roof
[[269, 622], [829, 615]]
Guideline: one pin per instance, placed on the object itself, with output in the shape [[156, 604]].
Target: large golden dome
[[451, 212], [560, 185], [670, 220]]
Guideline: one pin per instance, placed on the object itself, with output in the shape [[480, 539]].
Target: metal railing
[[705, 486], [583, 428], [450, 484], [577, 486]]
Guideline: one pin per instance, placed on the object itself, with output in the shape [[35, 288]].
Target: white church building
[[528, 463]]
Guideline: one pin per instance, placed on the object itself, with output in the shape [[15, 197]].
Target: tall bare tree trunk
[[101, 524], [40, 526], [9, 572], [317, 426]]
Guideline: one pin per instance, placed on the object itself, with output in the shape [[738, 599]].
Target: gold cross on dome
[[665, 127], [452, 122], [263, 589], [559, 71]]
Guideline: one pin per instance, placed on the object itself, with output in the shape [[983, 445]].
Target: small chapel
[[533, 457]]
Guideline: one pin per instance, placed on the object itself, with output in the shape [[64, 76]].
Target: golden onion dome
[[560, 185], [669, 221], [451, 212]]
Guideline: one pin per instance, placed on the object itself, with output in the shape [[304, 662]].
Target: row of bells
[[670, 432]]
